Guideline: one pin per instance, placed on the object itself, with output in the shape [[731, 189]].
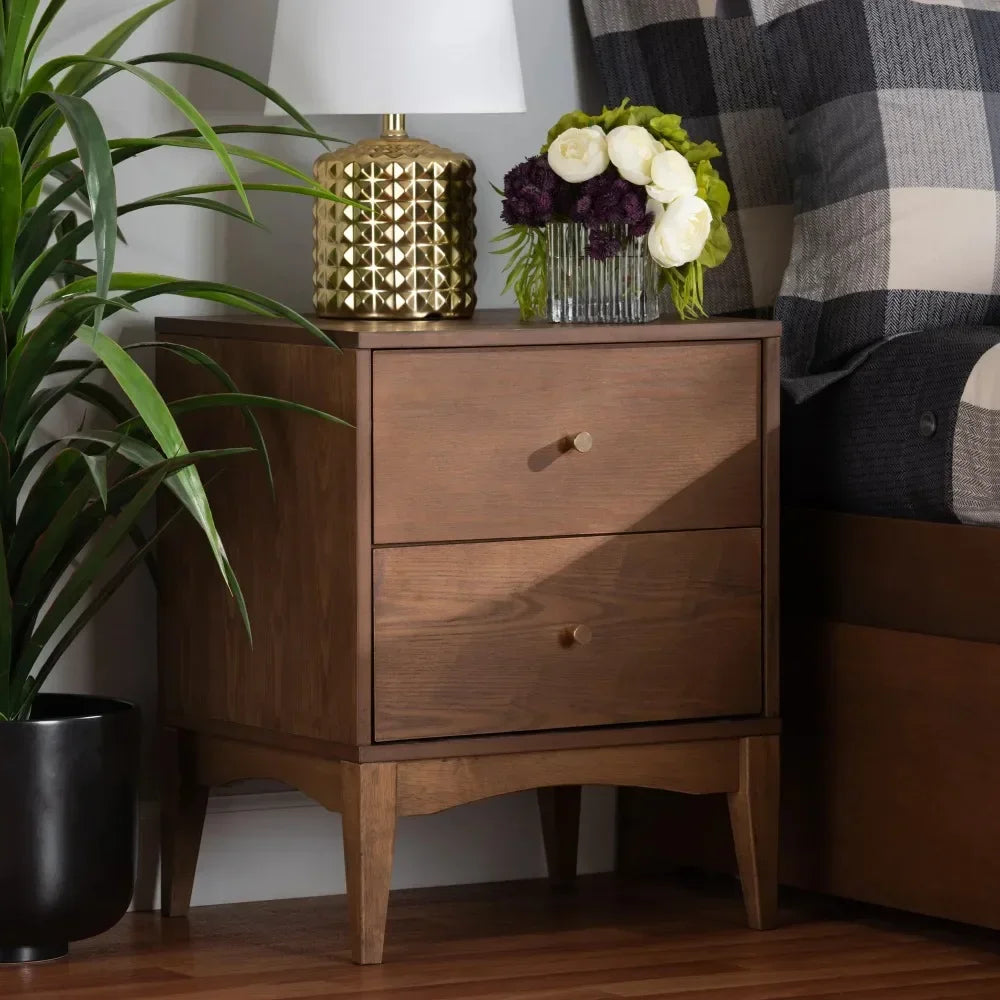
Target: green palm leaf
[[70, 506], [99, 173], [143, 553], [171, 93], [156, 415], [10, 210], [138, 287], [41, 29], [104, 546], [194, 356], [20, 17], [249, 81]]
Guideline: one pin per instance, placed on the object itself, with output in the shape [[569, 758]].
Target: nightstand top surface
[[488, 328]]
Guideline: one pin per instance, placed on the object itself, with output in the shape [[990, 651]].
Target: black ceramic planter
[[68, 782]]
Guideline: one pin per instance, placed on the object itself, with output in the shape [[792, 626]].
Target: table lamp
[[414, 255]]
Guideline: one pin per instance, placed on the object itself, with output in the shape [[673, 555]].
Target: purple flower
[[642, 227], [531, 192], [608, 198], [601, 244]]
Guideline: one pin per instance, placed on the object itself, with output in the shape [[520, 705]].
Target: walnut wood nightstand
[[546, 557]]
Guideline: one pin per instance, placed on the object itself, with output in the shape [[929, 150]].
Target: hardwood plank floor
[[606, 940]]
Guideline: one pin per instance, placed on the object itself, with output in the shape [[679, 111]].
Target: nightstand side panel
[[302, 559]]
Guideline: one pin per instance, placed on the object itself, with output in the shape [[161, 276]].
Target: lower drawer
[[479, 637]]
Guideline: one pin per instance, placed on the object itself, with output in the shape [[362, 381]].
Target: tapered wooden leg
[[369, 814], [753, 812], [182, 817], [560, 812]]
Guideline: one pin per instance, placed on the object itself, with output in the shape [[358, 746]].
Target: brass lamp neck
[[393, 126]]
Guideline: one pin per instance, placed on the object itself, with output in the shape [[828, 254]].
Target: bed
[[891, 446]]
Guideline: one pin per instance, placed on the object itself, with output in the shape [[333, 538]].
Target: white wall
[[267, 846]]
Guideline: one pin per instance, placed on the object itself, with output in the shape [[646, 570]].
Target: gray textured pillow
[[707, 64], [894, 112]]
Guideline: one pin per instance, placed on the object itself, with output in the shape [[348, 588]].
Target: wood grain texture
[[552, 739], [771, 530], [753, 811], [517, 940], [183, 804], [472, 444], [369, 814], [571, 739], [937, 579], [471, 638], [220, 761], [431, 786], [464, 645], [302, 559], [488, 328], [559, 811], [890, 757]]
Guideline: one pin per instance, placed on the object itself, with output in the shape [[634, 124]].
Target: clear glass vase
[[621, 289]]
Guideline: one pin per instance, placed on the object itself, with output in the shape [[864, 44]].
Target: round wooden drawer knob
[[582, 442], [579, 635]]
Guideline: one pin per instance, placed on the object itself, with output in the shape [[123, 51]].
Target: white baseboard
[[281, 845]]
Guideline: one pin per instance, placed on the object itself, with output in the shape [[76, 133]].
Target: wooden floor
[[606, 940]]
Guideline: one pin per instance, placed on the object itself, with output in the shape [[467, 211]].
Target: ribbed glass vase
[[620, 289]]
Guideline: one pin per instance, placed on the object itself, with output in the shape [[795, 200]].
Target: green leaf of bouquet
[[712, 188], [610, 118], [667, 127], [642, 114], [718, 246], [706, 150], [572, 119]]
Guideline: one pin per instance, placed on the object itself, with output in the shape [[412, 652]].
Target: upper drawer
[[474, 444]]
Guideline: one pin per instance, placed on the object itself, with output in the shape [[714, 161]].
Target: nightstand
[[545, 557]]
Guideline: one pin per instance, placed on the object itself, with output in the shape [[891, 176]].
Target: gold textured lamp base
[[414, 255]]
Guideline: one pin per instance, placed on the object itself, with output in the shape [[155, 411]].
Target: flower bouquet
[[635, 186]]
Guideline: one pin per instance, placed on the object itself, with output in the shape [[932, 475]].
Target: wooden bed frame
[[891, 701]]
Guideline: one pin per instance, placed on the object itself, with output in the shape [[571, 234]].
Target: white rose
[[679, 235], [656, 207], [578, 154], [672, 176], [632, 149]]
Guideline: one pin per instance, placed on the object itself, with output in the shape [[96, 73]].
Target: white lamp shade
[[363, 57]]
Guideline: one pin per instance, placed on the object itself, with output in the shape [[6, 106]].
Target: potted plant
[[71, 506]]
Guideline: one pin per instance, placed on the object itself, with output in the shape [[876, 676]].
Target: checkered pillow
[[702, 59], [894, 111]]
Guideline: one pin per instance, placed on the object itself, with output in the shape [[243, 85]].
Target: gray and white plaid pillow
[[703, 60], [894, 113]]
